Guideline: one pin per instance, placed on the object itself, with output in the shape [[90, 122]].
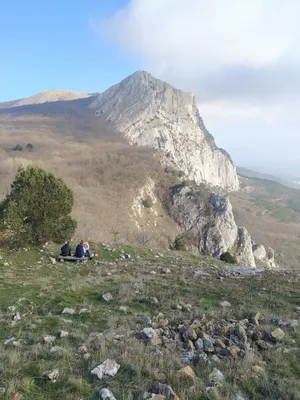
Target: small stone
[[150, 333], [123, 309], [199, 344], [56, 349], [53, 260], [154, 300], [69, 311], [262, 344], [49, 339], [67, 321], [86, 356], [216, 378], [107, 297], [255, 317], [294, 323], [106, 394], [6, 264], [16, 317], [257, 369], [153, 272], [164, 390], [278, 334], [84, 311], [215, 359], [224, 304], [186, 372], [108, 367], [241, 333], [187, 357], [234, 351], [63, 334], [2, 389], [153, 396], [297, 309], [147, 321], [53, 375], [166, 271], [238, 397], [82, 349]]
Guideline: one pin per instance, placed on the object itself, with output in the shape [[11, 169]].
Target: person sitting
[[87, 251], [65, 251], [79, 252]]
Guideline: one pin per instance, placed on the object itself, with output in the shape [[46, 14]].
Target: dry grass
[[104, 172]]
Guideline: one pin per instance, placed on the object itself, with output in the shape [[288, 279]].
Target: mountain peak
[[150, 112]]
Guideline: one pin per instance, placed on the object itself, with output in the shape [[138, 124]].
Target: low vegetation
[[148, 289], [37, 208]]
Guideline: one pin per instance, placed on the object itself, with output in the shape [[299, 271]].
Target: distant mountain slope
[[248, 173], [49, 96], [150, 112]]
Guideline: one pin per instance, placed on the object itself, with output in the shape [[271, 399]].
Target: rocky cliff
[[208, 221], [149, 112]]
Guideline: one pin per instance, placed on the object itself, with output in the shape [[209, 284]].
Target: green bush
[[147, 202], [37, 208], [29, 146], [228, 258], [18, 147], [179, 243]]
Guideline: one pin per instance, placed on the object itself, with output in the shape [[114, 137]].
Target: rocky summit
[[150, 112]]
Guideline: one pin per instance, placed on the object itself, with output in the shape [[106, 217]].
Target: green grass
[[48, 288]]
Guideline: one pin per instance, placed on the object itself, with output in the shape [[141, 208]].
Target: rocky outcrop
[[209, 223], [149, 112], [263, 257]]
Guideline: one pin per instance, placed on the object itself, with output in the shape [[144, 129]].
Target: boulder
[[108, 367], [278, 334], [216, 378]]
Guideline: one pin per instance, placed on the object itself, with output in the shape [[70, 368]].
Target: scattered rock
[[150, 333], [153, 396], [82, 349], [123, 308], [2, 389], [69, 311], [164, 390], [154, 300], [186, 372], [49, 339], [108, 367], [56, 349], [106, 394], [84, 311], [255, 317], [53, 375], [107, 297], [238, 397], [224, 304], [241, 333], [278, 334], [53, 260], [216, 378], [147, 321], [13, 341], [86, 356]]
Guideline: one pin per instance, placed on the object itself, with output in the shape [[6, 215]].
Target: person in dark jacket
[[66, 250], [79, 253]]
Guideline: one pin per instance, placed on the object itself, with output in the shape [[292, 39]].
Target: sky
[[241, 58]]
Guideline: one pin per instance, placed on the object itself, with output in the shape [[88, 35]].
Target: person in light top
[[87, 251]]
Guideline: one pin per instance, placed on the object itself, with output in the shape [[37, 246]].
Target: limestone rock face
[[209, 222], [149, 112]]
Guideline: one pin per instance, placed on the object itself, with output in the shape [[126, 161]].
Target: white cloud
[[240, 57]]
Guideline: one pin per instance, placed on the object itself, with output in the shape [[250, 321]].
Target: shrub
[[228, 258], [37, 208], [29, 146], [18, 147], [147, 202], [179, 243]]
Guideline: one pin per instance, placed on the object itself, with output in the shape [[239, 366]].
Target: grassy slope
[[41, 290], [270, 211]]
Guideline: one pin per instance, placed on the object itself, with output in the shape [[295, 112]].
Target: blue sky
[[51, 45]]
